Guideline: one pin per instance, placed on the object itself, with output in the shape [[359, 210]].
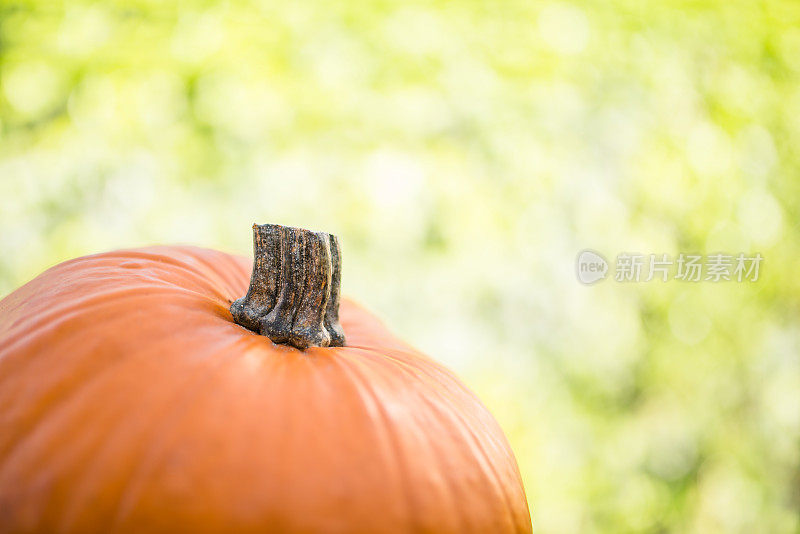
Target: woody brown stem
[[293, 296]]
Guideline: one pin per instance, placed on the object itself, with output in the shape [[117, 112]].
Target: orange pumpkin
[[130, 401]]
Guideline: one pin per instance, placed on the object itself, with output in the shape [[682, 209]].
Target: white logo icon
[[590, 267]]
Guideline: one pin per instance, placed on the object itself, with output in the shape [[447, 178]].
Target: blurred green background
[[465, 152]]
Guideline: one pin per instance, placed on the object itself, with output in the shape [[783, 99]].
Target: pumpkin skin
[[131, 402]]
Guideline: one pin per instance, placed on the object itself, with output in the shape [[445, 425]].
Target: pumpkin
[[132, 401]]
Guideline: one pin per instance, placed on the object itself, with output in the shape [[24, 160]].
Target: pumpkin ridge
[[202, 256], [409, 369], [56, 317], [64, 401], [151, 460], [158, 257], [388, 437], [487, 467], [432, 369], [447, 397]]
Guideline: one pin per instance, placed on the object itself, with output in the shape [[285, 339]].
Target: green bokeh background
[[465, 152]]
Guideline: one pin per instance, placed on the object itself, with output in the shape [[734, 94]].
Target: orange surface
[[131, 402]]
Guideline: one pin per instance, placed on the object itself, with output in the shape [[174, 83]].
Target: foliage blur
[[465, 152]]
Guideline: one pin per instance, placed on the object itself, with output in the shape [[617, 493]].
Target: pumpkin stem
[[293, 296]]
